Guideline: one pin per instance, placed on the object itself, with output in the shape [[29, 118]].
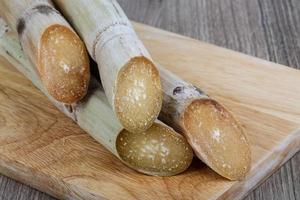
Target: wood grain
[[48, 151], [267, 29]]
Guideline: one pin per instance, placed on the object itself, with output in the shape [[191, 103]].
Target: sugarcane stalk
[[216, 137], [129, 76], [58, 54], [157, 151]]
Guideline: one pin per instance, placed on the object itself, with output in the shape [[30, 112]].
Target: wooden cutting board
[[41, 147]]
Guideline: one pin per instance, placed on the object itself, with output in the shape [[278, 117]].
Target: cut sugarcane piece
[[129, 77], [135, 91], [52, 46], [172, 155], [158, 149], [216, 137]]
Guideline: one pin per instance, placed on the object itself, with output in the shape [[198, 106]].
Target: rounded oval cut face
[[63, 64], [158, 151], [138, 95], [217, 138]]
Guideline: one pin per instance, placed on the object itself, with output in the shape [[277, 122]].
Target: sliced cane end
[[138, 95], [217, 138], [63, 64], [158, 151]]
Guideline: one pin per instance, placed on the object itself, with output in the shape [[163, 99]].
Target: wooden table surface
[[267, 29]]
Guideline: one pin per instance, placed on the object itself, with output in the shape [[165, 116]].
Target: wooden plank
[[10, 189], [268, 29], [49, 152], [249, 17], [284, 184]]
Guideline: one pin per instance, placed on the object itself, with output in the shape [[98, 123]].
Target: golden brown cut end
[[217, 138], [158, 151], [138, 95], [63, 64]]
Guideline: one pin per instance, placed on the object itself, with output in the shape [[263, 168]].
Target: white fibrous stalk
[[56, 51], [129, 76], [216, 137], [157, 151]]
